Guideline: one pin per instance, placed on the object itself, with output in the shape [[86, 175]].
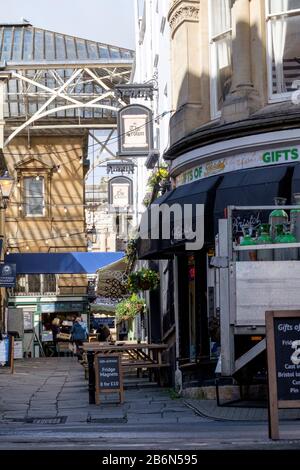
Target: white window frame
[[26, 206], [214, 112], [275, 97]]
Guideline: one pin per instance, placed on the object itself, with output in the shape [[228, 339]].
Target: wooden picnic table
[[134, 355]]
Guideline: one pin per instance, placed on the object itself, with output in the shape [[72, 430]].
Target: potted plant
[[144, 279], [129, 308]]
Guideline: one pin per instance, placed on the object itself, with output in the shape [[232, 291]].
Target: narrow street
[[44, 405]]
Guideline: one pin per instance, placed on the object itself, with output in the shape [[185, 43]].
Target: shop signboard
[[135, 130], [109, 321], [283, 351], [109, 375], [61, 307], [7, 275], [242, 161]]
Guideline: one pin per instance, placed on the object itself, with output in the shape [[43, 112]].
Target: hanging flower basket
[[130, 308], [144, 279]]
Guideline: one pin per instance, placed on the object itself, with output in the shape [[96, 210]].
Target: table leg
[[92, 384]]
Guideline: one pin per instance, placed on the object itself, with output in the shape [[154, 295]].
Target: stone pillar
[[243, 99], [185, 67]]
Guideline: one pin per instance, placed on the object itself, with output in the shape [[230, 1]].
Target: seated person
[[103, 333]]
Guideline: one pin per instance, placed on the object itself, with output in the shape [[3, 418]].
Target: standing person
[[79, 334]]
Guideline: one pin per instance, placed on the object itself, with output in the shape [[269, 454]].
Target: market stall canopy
[[111, 280], [62, 263]]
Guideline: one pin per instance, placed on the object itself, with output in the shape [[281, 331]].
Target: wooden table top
[[120, 346]]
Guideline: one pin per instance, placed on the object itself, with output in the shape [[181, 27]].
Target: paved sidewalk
[[210, 409], [54, 389]]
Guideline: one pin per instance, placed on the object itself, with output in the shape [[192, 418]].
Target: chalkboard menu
[[287, 356], [283, 350], [108, 370]]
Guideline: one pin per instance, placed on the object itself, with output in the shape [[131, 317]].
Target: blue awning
[[62, 263]]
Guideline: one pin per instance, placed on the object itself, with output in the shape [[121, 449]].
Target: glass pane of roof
[[92, 50], [38, 45], [60, 47], [27, 54], [17, 45], [126, 54], [71, 51], [115, 53], [49, 46], [104, 54], [6, 45], [81, 49]]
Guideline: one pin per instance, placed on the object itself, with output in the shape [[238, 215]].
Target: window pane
[[115, 53], [6, 47], [220, 16], [49, 45], [38, 45], [93, 51], [17, 46], [81, 49], [104, 52], [34, 283], [71, 52], [285, 53], [34, 196], [49, 283], [20, 283], [277, 6], [224, 69], [27, 45], [60, 47]]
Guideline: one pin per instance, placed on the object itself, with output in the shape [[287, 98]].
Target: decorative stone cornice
[[181, 11]]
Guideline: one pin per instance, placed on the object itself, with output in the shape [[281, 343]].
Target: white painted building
[[153, 64]]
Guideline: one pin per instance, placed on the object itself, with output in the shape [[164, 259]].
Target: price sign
[[283, 349], [109, 379]]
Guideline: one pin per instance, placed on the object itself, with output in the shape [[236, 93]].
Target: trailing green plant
[[131, 252], [129, 308], [144, 279]]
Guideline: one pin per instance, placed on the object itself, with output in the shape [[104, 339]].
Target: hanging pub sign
[[135, 130], [7, 275], [120, 168], [283, 354]]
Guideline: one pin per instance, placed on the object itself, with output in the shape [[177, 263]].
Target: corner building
[[234, 140]]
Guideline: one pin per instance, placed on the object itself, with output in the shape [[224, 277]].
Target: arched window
[[120, 193], [283, 52], [220, 41]]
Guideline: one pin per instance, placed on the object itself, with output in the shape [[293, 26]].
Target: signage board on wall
[[243, 161], [7, 275], [283, 352], [135, 130], [61, 307]]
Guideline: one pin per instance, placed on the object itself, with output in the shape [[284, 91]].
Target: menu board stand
[[109, 375], [283, 357]]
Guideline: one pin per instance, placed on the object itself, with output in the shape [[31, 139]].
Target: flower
[[129, 308], [144, 279]]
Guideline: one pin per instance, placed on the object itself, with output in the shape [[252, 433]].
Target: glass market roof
[[25, 43], [57, 79]]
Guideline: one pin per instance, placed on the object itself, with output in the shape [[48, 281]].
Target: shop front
[[47, 322], [247, 170]]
